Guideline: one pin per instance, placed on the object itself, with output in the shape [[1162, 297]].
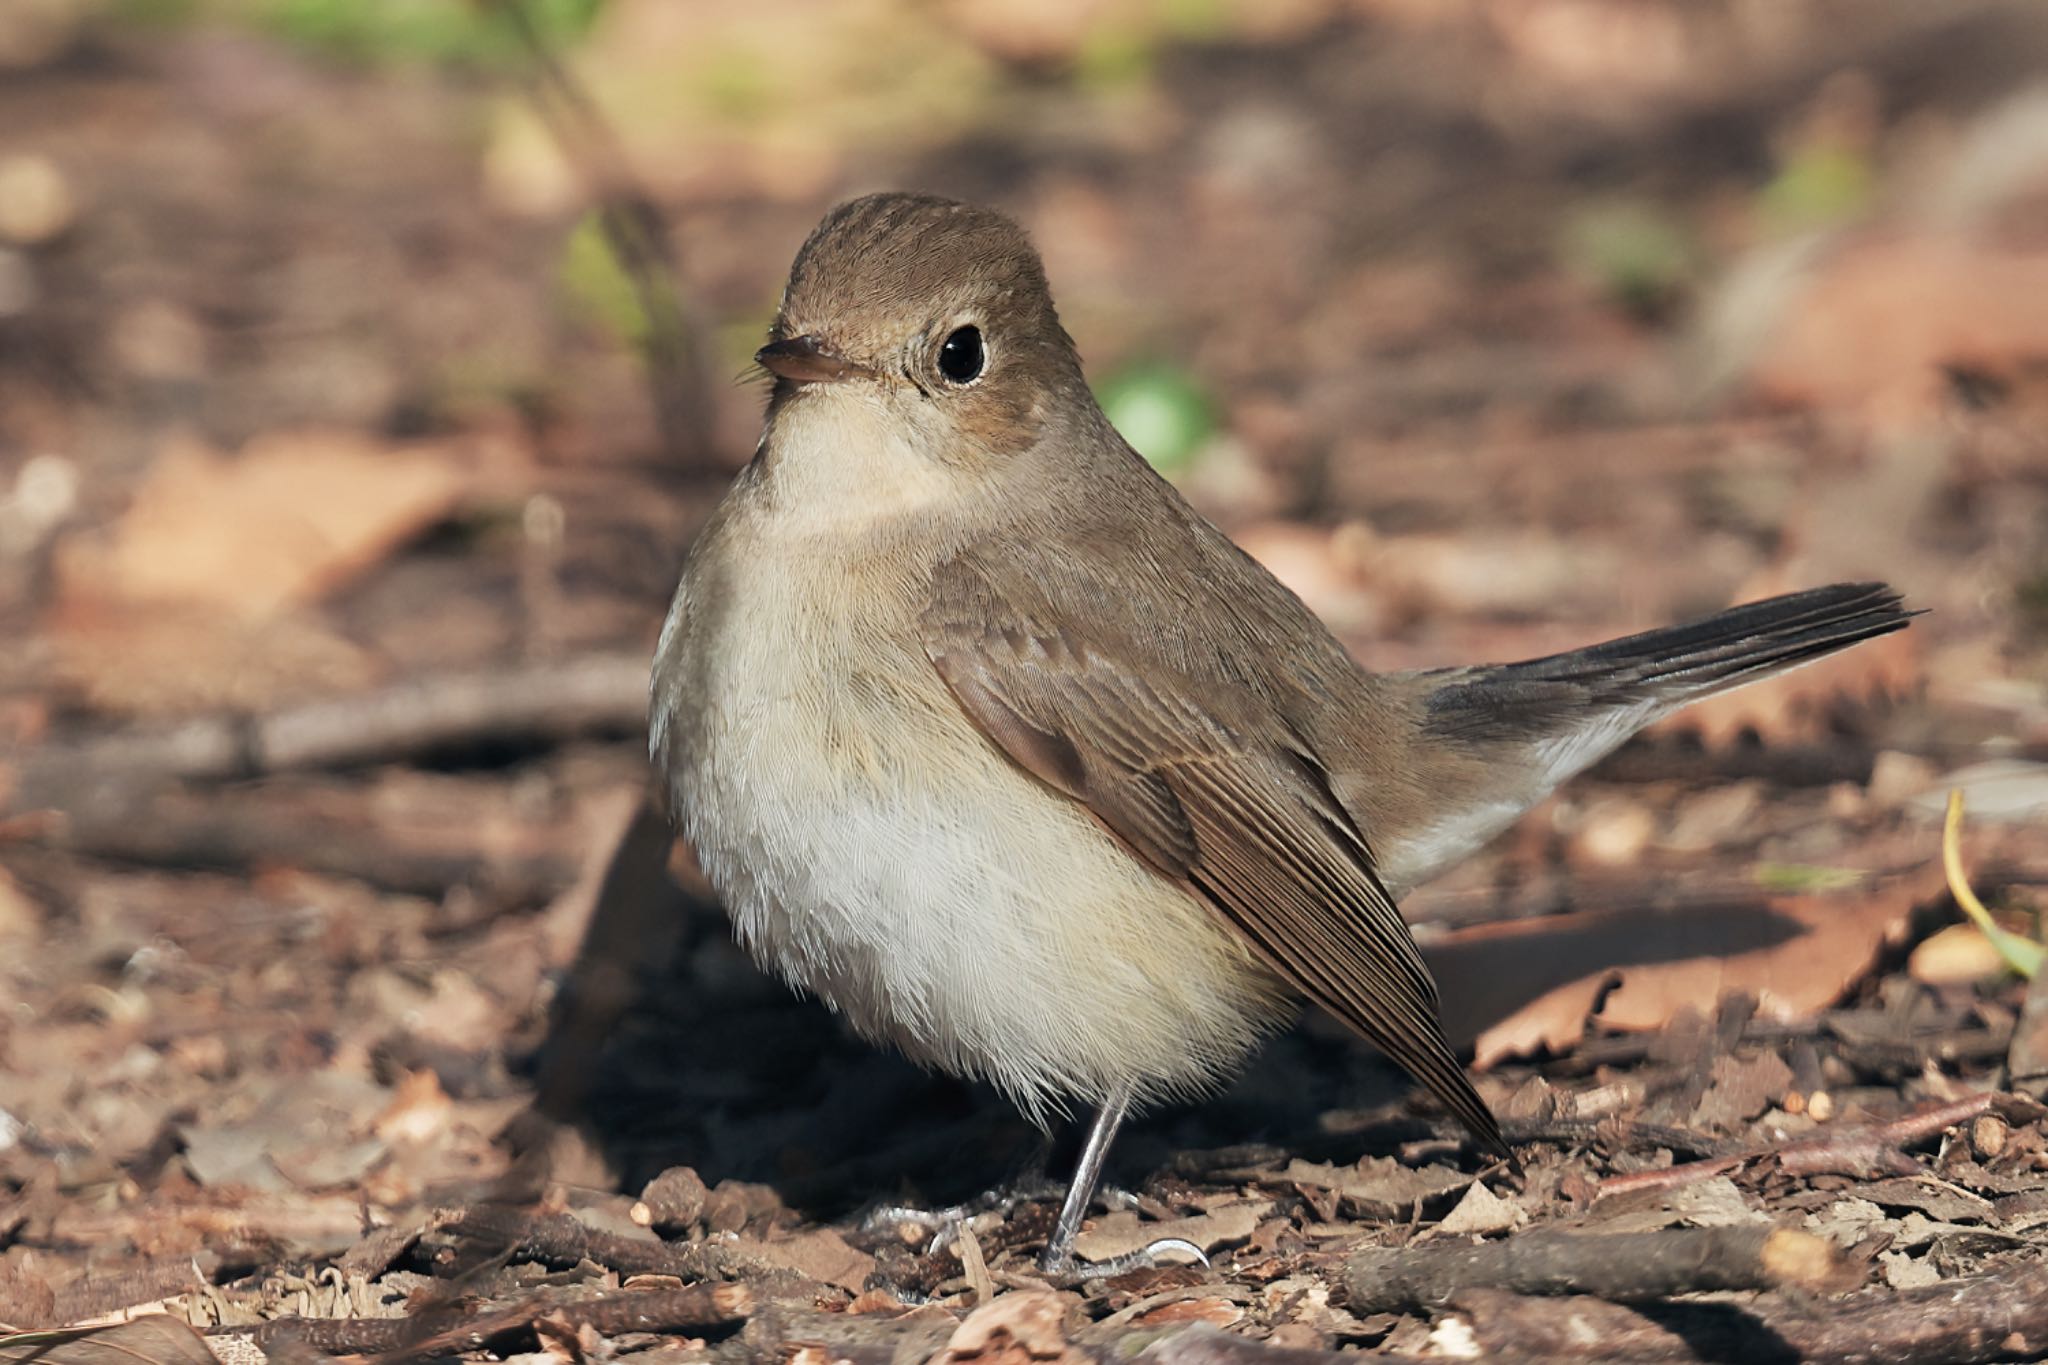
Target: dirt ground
[[351, 995]]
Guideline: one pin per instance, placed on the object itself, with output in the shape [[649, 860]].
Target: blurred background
[[366, 365]]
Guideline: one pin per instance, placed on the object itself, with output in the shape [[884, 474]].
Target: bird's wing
[[1208, 784]]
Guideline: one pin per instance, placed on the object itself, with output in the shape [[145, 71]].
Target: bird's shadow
[[668, 1047]]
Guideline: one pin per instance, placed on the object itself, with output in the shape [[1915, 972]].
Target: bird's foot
[[1064, 1271], [945, 1223]]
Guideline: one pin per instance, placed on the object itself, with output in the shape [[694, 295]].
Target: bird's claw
[[1067, 1271], [945, 1223]]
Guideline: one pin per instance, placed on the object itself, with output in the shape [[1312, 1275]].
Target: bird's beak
[[806, 360]]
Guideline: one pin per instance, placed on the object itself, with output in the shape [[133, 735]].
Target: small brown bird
[[989, 740]]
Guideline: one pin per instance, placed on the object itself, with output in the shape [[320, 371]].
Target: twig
[[634, 231], [799, 1333], [1205, 1345], [1611, 1132], [1875, 1150], [690, 1308], [559, 1241], [442, 1331], [94, 1295], [594, 694], [1997, 1316], [1624, 1266], [236, 834], [1865, 1151], [1671, 1177]]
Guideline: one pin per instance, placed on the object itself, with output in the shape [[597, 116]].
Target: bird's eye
[[960, 358]]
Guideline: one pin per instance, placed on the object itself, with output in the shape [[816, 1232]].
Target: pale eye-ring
[[961, 356]]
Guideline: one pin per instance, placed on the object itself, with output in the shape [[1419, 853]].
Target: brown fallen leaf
[[1122, 1232], [1482, 1213], [820, 1254], [1740, 1089], [1027, 1328], [1876, 324], [1530, 985], [292, 516], [2028, 1057], [419, 1112], [1214, 1311], [20, 916], [153, 1339], [1955, 955], [147, 660], [1710, 1203], [1377, 1187]]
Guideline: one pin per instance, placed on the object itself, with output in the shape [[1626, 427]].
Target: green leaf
[[1797, 878], [1818, 186], [1161, 411], [1640, 257], [2022, 954], [598, 285], [395, 31]]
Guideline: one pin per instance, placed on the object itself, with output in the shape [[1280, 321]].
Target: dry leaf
[[1955, 956], [419, 1112], [1712, 1203], [1527, 986], [1214, 1311], [1120, 1233], [1875, 325], [1612, 831], [1741, 1088], [1378, 1187], [20, 916], [1026, 1328], [820, 1254], [2012, 790], [2027, 1060], [154, 1339], [149, 660], [292, 516], [1482, 1213]]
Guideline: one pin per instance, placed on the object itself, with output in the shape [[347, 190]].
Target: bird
[[989, 740]]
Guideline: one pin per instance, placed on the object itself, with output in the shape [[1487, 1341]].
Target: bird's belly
[[874, 849]]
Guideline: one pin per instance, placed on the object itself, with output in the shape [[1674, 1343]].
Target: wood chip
[[1124, 1232]]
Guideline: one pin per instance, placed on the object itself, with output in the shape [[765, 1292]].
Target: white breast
[[873, 848]]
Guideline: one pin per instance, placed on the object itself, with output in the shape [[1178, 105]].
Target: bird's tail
[[1600, 695]]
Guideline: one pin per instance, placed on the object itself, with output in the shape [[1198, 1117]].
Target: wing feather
[[1204, 781]]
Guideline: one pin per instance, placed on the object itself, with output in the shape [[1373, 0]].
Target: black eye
[[960, 357]]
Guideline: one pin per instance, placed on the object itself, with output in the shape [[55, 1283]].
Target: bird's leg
[[1058, 1260]]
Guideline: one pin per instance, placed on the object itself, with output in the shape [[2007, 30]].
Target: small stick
[[1623, 1266], [1865, 1151], [105, 1292], [606, 692], [2002, 1315], [559, 1241], [1612, 1132], [633, 229], [692, 1308]]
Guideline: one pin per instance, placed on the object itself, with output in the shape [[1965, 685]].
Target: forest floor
[[351, 996]]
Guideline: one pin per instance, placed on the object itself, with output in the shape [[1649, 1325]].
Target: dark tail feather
[[1674, 665]]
